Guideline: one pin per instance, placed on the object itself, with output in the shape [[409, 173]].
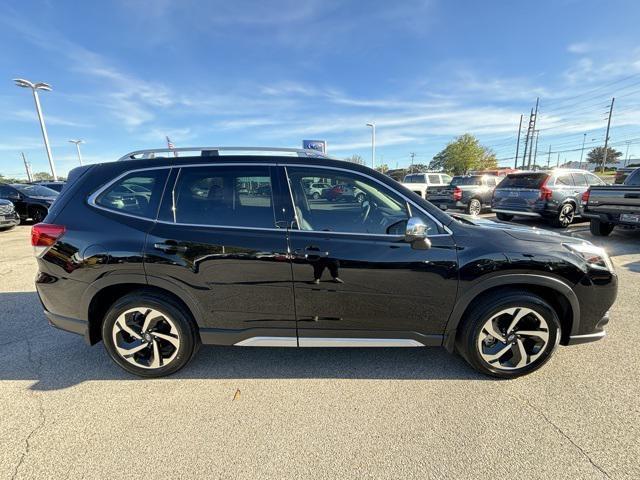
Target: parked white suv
[[314, 190], [421, 182]]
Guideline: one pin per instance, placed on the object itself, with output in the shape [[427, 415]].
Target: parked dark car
[[622, 174], [155, 271], [470, 193], [57, 186], [343, 193], [8, 216], [552, 195], [611, 205], [30, 201]]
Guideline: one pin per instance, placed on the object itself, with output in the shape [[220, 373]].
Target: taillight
[[545, 192], [44, 235], [457, 193], [585, 197]]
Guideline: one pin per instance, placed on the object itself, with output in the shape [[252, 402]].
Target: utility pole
[[533, 130], [412, 157], [549, 157], [526, 139], [558, 161], [515, 166], [535, 154], [626, 156], [606, 137], [584, 139], [27, 167], [373, 144]]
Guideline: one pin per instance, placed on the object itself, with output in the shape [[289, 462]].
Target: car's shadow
[[32, 350]]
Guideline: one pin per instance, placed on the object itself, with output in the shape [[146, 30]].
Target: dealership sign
[[319, 145]]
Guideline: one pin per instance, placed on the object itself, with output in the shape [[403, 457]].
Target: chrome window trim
[[406, 199], [91, 200]]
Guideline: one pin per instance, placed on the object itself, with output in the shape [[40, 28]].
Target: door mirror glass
[[416, 231]]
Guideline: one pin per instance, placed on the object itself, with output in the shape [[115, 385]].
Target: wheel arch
[[104, 296], [557, 293]]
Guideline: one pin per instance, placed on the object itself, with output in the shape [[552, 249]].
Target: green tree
[[384, 168], [596, 155], [463, 155], [42, 176], [418, 168]]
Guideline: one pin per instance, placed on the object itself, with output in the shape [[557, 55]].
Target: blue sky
[[127, 73]]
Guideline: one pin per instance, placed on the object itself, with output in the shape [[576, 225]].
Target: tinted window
[[445, 179], [5, 192], [634, 178], [434, 179], [136, 194], [466, 181], [579, 179], [491, 181], [419, 178], [226, 196], [355, 204], [563, 180], [523, 180], [35, 190]]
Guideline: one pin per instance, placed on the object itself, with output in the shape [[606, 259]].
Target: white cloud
[[579, 48]]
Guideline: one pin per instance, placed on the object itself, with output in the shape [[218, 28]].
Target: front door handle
[[169, 248]]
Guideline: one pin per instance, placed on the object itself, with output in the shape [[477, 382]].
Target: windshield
[[523, 180], [35, 190], [466, 181]]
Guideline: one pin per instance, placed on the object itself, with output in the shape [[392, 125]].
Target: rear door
[[518, 191], [356, 281], [217, 240]]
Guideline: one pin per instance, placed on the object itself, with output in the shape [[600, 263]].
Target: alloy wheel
[[146, 337], [513, 338], [565, 217], [475, 207]]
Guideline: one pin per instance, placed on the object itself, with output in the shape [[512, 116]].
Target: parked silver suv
[[553, 195]]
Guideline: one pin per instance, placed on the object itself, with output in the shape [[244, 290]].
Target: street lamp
[[77, 143], [20, 82], [373, 144]]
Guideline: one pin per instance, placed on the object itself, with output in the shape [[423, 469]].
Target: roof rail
[[215, 151]]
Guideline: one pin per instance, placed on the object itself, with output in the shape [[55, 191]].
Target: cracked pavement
[[66, 411]]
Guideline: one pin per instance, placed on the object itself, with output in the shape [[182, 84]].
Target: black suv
[[30, 201], [470, 193], [155, 255]]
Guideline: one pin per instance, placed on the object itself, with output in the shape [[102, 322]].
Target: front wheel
[[509, 335], [38, 215], [149, 335], [600, 229], [315, 196]]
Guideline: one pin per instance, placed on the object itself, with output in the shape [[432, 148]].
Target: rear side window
[[435, 179], [415, 179], [579, 179], [135, 194], [526, 180], [466, 181], [564, 180], [593, 180], [224, 196]]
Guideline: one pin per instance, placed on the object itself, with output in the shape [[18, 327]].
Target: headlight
[[595, 257]]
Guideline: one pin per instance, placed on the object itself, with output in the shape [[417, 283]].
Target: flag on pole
[[171, 146]]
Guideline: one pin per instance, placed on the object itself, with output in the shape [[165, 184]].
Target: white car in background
[[425, 183], [314, 190]]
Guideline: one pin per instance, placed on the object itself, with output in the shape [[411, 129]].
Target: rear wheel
[[149, 335], [505, 217], [509, 335], [565, 216], [474, 207], [38, 214], [600, 229], [315, 195]]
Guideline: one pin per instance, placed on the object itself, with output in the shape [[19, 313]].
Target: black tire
[[564, 217], [474, 207], [473, 326], [315, 196], [187, 333], [505, 217], [38, 214], [600, 229]]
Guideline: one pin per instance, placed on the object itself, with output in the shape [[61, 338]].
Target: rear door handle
[[169, 248]]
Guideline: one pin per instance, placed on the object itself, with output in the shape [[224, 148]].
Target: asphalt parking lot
[[66, 411]]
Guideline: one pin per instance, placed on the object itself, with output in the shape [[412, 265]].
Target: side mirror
[[14, 196], [416, 234]]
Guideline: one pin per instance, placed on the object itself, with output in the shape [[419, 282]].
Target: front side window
[[224, 196], [354, 204], [593, 180], [135, 194]]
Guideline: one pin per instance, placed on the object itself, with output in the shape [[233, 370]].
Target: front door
[[357, 282], [217, 239]]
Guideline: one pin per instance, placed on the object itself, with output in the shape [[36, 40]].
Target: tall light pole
[[626, 157], [34, 89], [77, 143], [373, 144], [584, 139]]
